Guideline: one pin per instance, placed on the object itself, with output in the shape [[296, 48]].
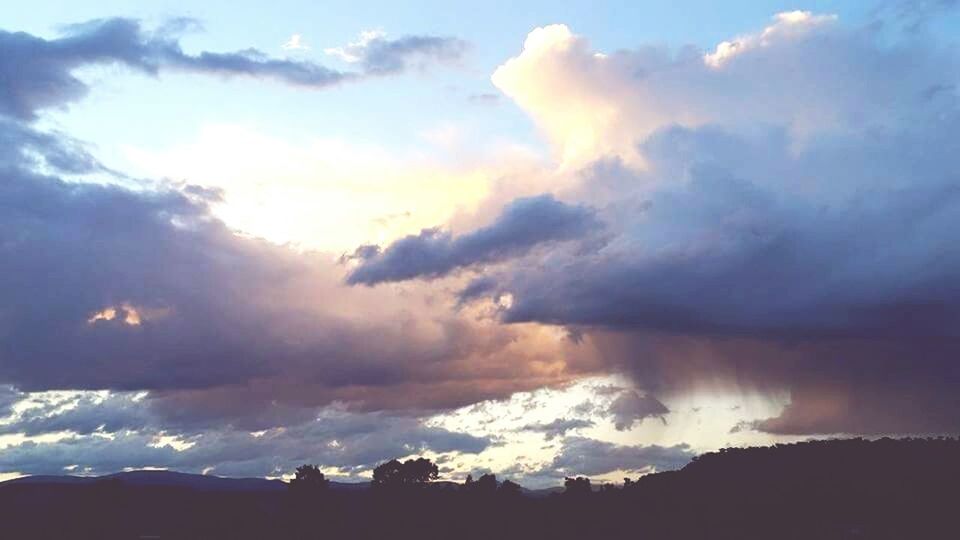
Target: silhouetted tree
[[413, 472], [309, 480], [487, 484], [389, 474], [420, 471], [576, 486]]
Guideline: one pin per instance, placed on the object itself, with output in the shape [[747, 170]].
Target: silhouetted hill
[[197, 482], [853, 488], [816, 490]]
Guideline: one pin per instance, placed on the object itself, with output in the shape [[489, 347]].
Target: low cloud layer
[[352, 443]]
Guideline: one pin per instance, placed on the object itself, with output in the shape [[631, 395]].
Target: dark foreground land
[[905, 489]]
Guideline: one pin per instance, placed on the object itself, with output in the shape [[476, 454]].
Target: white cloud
[[355, 51], [787, 25], [296, 43]]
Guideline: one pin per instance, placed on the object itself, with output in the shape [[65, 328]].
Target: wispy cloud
[[296, 43], [379, 55]]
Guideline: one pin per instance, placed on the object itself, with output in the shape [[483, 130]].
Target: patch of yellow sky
[[330, 194]]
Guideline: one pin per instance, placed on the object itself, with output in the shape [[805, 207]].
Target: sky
[[596, 238]]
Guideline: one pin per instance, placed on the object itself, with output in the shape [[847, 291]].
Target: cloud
[[8, 397], [779, 217], [84, 414], [296, 43], [786, 25], [146, 290], [771, 215], [915, 15], [522, 225], [630, 407], [805, 72], [218, 310], [38, 73], [353, 443], [558, 427], [381, 56], [591, 457], [484, 99]]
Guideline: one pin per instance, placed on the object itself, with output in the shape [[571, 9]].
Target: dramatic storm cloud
[[780, 215]]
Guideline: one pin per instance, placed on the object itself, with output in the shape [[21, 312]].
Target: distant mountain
[[198, 482], [542, 492]]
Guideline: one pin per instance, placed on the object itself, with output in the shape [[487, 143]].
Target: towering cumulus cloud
[[782, 213]]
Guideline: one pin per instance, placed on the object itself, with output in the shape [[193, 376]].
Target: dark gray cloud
[[558, 427], [590, 457], [523, 224], [631, 407], [37, 73]]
